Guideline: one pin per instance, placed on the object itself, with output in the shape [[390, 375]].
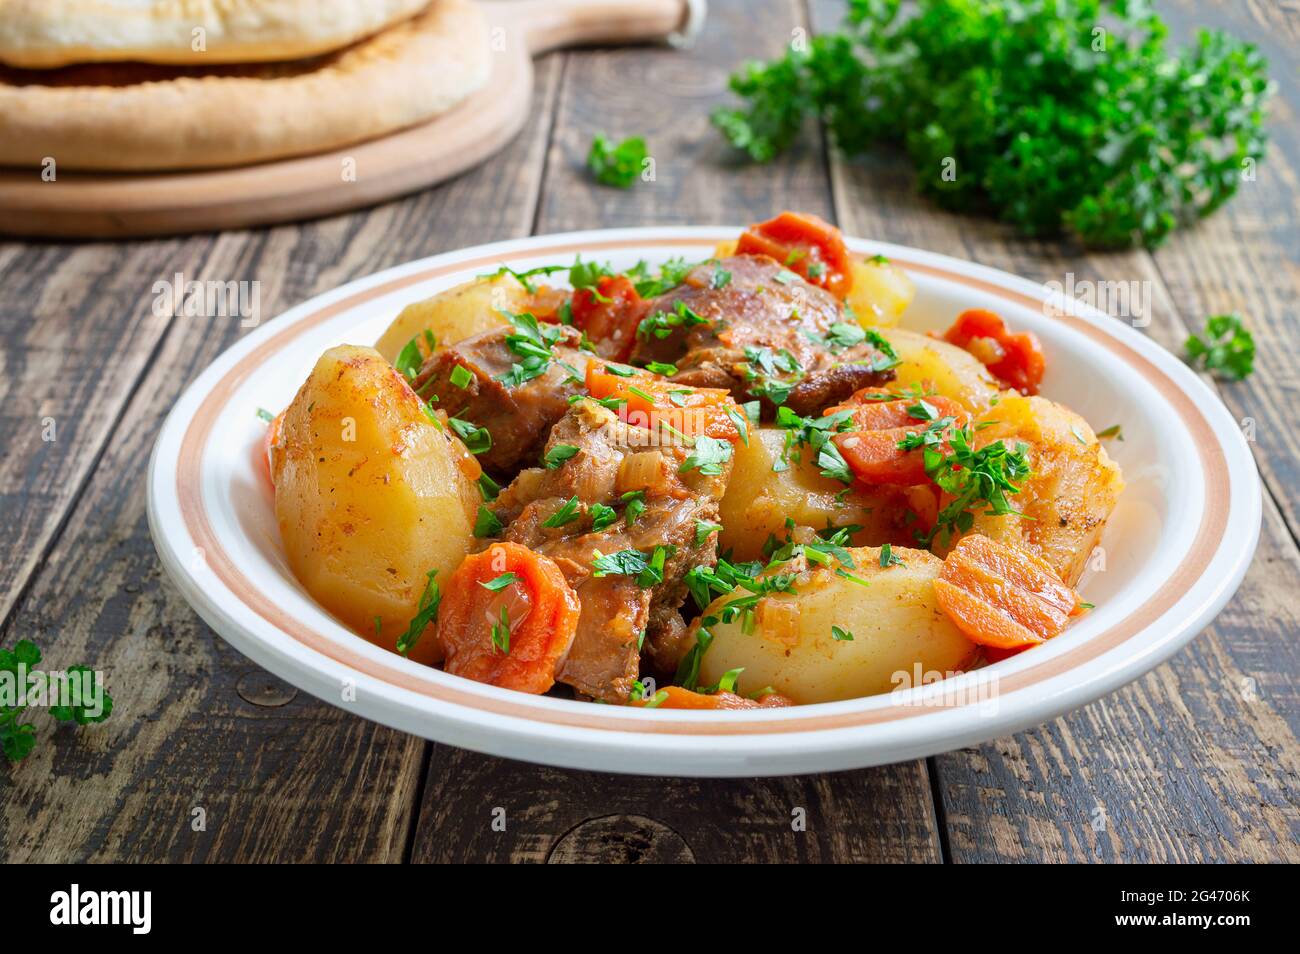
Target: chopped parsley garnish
[[477, 439], [461, 376], [499, 583], [487, 524], [727, 683], [888, 557], [973, 478], [410, 358], [671, 274], [721, 277], [567, 513], [501, 631], [525, 278], [841, 635], [659, 367], [488, 487], [265, 415], [635, 500], [707, 456], [1113, 431], [426, 612], [688, 670], [532, 342], [558, 454], [602, 517], [703, 530], [815, 432], [661, 324], [616, 165], [1227, 349], [648, 570], [923, 411]]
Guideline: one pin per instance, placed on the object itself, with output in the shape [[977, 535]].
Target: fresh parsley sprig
[[618, 164], [1227, 348], [18, 737]]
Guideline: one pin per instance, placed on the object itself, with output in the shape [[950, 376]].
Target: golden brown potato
[[894, 621], [758, 500], [943, 367], [1073, 488], [455, 314], [370, 495], [880, 293]]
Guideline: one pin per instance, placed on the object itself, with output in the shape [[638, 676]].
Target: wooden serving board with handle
[[117, 205]]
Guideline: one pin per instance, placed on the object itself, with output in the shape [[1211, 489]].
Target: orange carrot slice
[[675, 697], [1002, 596], [881, 421], [652, 401], [508, 617]]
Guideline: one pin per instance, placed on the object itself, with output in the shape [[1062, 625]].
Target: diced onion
[[643, 470]]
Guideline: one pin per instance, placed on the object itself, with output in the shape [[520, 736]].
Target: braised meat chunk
[[619, 511], [512, 383], [754, 327]]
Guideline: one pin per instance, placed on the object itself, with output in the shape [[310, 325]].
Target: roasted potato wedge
[[880, 293], [370, 495], [759, 499], [943, 367], [895, 623], [455, 314], [1071, 493]]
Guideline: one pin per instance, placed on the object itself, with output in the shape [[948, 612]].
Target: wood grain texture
[[493, 810], [1198, 760], [301, 780], [666, 97]]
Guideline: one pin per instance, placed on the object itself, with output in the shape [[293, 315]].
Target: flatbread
[[49, 33], [134, 117]]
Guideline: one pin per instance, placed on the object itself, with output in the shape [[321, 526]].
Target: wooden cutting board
[[116, 205]]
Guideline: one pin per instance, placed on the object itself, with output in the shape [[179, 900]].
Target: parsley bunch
[[1054, 115]]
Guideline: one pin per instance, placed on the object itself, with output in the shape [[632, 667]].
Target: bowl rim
[[403, 694]]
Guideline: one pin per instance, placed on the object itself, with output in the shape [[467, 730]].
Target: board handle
[[551, 24]]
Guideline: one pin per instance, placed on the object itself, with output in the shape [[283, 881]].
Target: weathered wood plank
[[1196, 761], [279, 775], [556, 815], [491, 810]]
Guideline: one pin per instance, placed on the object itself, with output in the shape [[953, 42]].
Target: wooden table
[[1197, 761]]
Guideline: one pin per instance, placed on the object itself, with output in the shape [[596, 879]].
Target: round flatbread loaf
[[135, 117], [49, 33]]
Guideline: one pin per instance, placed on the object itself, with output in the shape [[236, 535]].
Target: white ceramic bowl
[[1175, 549]]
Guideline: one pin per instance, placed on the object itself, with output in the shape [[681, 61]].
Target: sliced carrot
[[1016, 360], [881, 421], [269, 441], [1002, 596], [805, 244], [512, 634], [654, 402], [609, 315], [675, 697]]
